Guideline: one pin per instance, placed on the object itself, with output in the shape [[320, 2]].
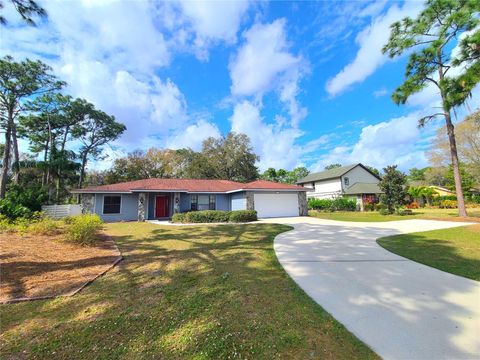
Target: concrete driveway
[[401, 309]]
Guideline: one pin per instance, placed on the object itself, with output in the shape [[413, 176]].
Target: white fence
[[61, 211]]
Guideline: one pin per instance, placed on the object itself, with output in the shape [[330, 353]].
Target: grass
[[454, 250], [374, 216], [198, 292]]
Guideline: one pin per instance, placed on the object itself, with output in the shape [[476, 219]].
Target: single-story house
[[355, 181], [151, 199], [441, 191]]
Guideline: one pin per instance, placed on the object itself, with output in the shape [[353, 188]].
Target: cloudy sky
[[305, 80]]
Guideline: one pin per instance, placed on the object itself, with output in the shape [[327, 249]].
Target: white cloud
[[263, 61], [113, 65], [275, 143], [396, 141], [370, 41], [193, 135], [197, 25], [380, 92]]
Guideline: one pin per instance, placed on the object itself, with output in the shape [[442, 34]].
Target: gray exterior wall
[[223, 202], [238, 201], [128, 208]]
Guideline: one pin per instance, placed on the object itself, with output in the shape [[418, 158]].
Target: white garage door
[[276, 205]]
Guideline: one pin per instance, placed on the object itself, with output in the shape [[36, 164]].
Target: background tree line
[[229, 157]]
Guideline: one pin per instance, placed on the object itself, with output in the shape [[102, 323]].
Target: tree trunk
[[59, 170], [456, 168], [45, 158], [16, 155], [6, 158], [82, 170], [462, 212]]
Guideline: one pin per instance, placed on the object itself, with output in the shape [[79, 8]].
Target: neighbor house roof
[[363, 188], [188, 185], [331, 174]]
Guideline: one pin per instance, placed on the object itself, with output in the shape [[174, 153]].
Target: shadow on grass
[[206, 292]]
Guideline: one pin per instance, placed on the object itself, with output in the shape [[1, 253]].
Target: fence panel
[[61, 211]]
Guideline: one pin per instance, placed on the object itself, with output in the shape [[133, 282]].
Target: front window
[[202, 202], [211, 202], [112, 204], [346, 181], [194, 202]]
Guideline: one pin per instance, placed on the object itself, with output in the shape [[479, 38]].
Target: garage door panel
[[276, 205]]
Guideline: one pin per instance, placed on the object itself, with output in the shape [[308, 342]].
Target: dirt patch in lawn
[[37, 266]]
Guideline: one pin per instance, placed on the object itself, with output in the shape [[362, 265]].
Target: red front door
[[161, 206]]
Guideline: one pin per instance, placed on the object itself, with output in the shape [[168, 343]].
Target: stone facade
[[142, 206], [250, 200], [302, 203], [87, 202], [176, 202]]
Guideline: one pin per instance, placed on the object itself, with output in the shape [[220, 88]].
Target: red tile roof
[[189, 185], [270, 185]]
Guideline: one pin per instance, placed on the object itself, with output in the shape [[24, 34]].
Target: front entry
[[161, 206]]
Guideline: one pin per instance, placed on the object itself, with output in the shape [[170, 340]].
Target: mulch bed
[[38, 266]]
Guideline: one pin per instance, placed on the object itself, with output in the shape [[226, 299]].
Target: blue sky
[[305, 80]]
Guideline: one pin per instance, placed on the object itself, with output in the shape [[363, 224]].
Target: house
[[356, 181], [150, 199], [441, 191]]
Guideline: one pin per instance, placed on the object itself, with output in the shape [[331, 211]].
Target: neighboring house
[[441, 191], [160, 198], [355, 181]]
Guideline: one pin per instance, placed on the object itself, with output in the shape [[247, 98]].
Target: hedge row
[[341, 203], [215, 216]]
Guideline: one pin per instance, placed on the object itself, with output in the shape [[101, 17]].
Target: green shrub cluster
[[447, 204], [338, 204], [243, 216], [12, 210], [215, 216], [83, 229], [437, 200], [43, 226]]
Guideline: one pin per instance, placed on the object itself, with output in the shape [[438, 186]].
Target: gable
[[360, 175]]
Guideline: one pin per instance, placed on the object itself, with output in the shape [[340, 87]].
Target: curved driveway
[[400, 308]]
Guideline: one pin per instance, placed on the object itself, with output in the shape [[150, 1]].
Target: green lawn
[[455, 250], [182, 293], [374, 216]]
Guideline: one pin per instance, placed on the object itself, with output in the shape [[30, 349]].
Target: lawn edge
[[419, 262]]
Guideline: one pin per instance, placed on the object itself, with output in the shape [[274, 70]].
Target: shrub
[[319, 204], [242, 216], [5, 224], [344, 204], [413, 205], [380, 206], [84, 229], [384, 211], [341, 203], [206, 216], [402, 212], [215, 216], [179, 218], [31, 197], [44, 226], [12, 210], [448, 204], [369, 206], [439, 199], [475, 199]]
